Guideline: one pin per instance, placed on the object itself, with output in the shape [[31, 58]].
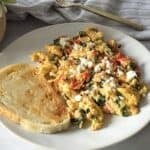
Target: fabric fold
[[47, 11]]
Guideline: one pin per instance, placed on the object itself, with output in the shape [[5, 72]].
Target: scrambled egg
[[93, 76]]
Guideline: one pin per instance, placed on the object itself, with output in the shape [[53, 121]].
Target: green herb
[[82, 33], [77, 61], [137, 86], [108, 51], [101, 100], [76, 121], [101, 82], [56, 41], [88, 110], [117, 100], [132, 65], [66, 97], [118, 93], [83, 44], [53, 59], [88, 86], [125, 111], [82, 112]]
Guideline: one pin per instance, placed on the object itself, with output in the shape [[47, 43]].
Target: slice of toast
[[27, 99]]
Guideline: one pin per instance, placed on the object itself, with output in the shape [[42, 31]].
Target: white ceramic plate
[[116, 128]]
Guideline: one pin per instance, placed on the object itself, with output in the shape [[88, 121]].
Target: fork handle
[[130, 23]]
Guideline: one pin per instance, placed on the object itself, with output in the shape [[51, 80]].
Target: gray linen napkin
[[138, 10]]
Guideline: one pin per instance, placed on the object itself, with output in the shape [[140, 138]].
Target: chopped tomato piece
[[115, 64], [68, 50], [76, 40], [85, 76], [75, 84], [120, 58], [95, 53]]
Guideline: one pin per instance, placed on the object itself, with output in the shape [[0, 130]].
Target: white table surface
[[9, 141]]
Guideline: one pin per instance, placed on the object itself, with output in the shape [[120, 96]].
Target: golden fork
[[136, 26]]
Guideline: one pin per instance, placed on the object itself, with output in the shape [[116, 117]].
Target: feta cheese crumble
[[63, 41], [90, 64], [108, 64], [130, 75], [78, 98], [80, 68], [86, 62], [111, 82], [77, 47], [90, 44], [97, 68], [121, 97]]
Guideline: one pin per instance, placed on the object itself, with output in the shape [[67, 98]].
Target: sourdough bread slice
[[27, 99]]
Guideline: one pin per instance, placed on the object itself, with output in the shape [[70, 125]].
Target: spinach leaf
[[125, 111], [118, 93], [82, 33], [76, 121], [133, 65], [117, 100], [56, 41], [83, 44], [101, 100], [88, 110]]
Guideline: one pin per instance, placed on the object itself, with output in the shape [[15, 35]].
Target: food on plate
[[27, 99], [78, 79], [93, 76]]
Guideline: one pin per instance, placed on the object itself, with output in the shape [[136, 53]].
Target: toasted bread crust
[[5, 112], [36, 106], [33, 126]]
